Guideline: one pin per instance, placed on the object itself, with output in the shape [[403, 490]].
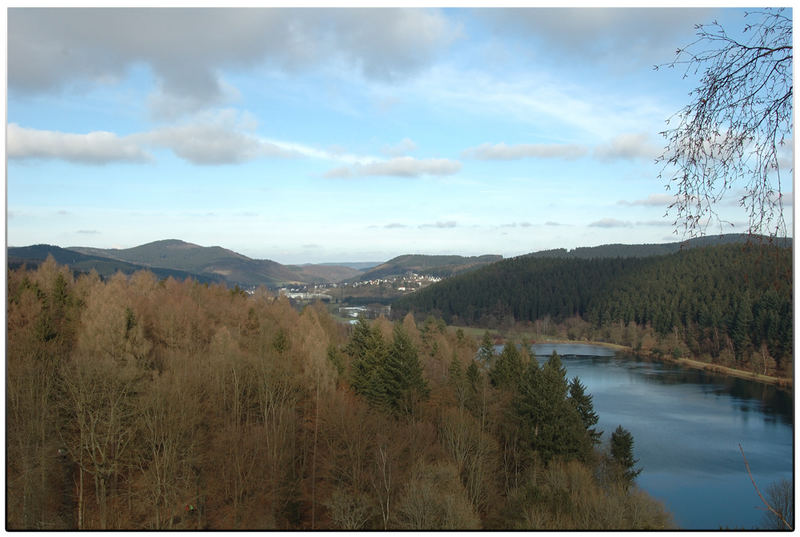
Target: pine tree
[[582, 402], [368, 352], [401, 375], [550, 423], [508, 368], [740, 328], [486, 350], [622, 455]]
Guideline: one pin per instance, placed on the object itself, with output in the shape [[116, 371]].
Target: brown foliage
[[134, 403]]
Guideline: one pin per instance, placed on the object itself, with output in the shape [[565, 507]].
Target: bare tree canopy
[[736, 132]]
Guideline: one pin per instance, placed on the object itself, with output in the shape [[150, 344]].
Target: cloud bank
[[96, 148], [207, 139], [610, 223], [629, 147], [398, 167], [187, 50], [502, 151], [653, 200], [622, 37]]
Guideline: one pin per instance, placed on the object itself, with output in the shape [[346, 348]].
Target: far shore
[[783, 382]]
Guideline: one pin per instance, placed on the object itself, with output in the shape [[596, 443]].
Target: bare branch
[[730, 133], [773, 511]]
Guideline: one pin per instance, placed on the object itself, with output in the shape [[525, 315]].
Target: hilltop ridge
[[181, 259]]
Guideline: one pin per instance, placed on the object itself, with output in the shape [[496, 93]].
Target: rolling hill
[[233, 267], [647, 250], [442, 266], [32, 256], [180, 260]]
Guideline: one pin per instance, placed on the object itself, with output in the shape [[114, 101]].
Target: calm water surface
[[687, 426]]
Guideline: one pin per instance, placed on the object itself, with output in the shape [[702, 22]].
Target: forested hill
[[733, 296], [442, 266], [647, 250]]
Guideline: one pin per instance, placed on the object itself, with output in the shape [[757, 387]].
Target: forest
[[729, 304], [135, 402]]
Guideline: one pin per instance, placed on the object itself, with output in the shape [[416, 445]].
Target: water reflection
[[687, 425]]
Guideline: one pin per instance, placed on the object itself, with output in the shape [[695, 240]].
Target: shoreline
[[781, 382]]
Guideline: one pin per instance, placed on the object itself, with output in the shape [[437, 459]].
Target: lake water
[[687, 426]]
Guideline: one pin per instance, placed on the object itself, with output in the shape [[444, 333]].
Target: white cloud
[[97, 147], [321, 154], [502, 151], [610, 223], [399, 167], [188, 49], [629, 146], [653, 200], [441, 225], [222, 137], [620, 37], [212, 144], [403, 147], [656, 223]]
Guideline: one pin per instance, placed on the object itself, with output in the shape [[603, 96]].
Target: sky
[[332, 135]]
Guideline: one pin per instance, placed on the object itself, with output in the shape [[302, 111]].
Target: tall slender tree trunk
[[314, 460], [80, 494]]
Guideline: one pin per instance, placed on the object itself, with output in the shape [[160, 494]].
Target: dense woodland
[[726, 304], [141, 403]]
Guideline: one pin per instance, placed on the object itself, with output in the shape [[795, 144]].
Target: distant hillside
[[561, 283], [180, 260], [32, 256], [730, 297], [647, 250], [205, 260], [330, 273], [442, 266]]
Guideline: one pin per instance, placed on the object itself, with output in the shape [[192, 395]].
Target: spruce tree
[[486, 350], [622, 455], [582, 402], [368, 352], [508, 368], [401, 375], [550, 424]]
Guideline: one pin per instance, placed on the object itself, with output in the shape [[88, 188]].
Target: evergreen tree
[[622, 455], [486, 350], [401, 377], [740, 327], [368, 352], [550, 424], [473, 377], [582, 402], [508, 367]]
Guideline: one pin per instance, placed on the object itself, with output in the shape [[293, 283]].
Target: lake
[[687, 426]]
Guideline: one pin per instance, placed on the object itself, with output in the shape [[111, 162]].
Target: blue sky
[[319, 135]]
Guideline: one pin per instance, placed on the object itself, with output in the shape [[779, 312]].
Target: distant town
[[361, 298]]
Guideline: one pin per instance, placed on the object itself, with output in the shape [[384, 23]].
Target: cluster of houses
[[397, 285]]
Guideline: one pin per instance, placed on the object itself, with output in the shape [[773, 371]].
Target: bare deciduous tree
[[736, 131]]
